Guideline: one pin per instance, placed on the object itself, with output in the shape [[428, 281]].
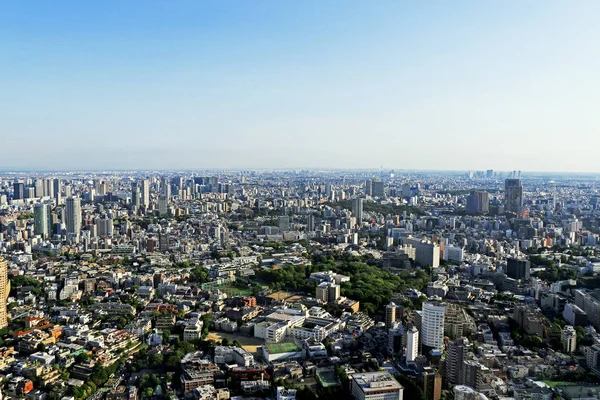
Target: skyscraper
[[412, 344], [136, 199], [19, 190], [73, 215], [49, 187], [357, 210], [368, 187], [145, 193], [165, 188], [377, 188], [4, 291], [454, 360], [41, 220], [39, 187], [432, 326], [390, 315], [310, 223], [56, 188], [513, 196], [163, 204], [518, 268], [478, 202], [105, 226]]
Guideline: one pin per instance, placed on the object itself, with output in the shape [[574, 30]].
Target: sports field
[[248, 343], [277, 348]]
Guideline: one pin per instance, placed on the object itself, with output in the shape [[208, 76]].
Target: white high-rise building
[[145, 195], [432, 326], [412, 344], [73, 215]]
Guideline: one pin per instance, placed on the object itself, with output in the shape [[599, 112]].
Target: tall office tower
[[49, 187], [478, 202], [19, 190], [145, 193], [42, 220], [165, 187], [39, 187], [377, 188], [328, 190], [4, 291], [390, 315], [163, 204], [177, 182], [29, 192], [56, 188], [368, 187], [432, 327], [73, 215], [513, 196], [406, 192], [68, 191], [357, 210], [310, 223], [284, 223], [105, 226], [454, 360], [518, 268], [412, 344], [136, 199]]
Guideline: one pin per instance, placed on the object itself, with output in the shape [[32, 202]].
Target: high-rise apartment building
[[454, 360], [105, 226], [518, 268], [357, 209], [136, 199], [145, 193], [568, 337], [42, 221], [73, 215], [432, 326], [4, 291], [478, 202], [390, 315], [513, 196], [412, 344], [163, 204], [327, 292], [368, 187], [310, 223]]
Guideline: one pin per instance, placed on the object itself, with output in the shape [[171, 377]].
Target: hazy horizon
[[189, 85]]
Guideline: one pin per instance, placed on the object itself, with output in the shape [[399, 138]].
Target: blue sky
[[300, 84]]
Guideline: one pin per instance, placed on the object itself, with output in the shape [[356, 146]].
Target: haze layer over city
[[299, 200]]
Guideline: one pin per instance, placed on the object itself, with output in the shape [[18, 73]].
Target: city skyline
[[188, 85]]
